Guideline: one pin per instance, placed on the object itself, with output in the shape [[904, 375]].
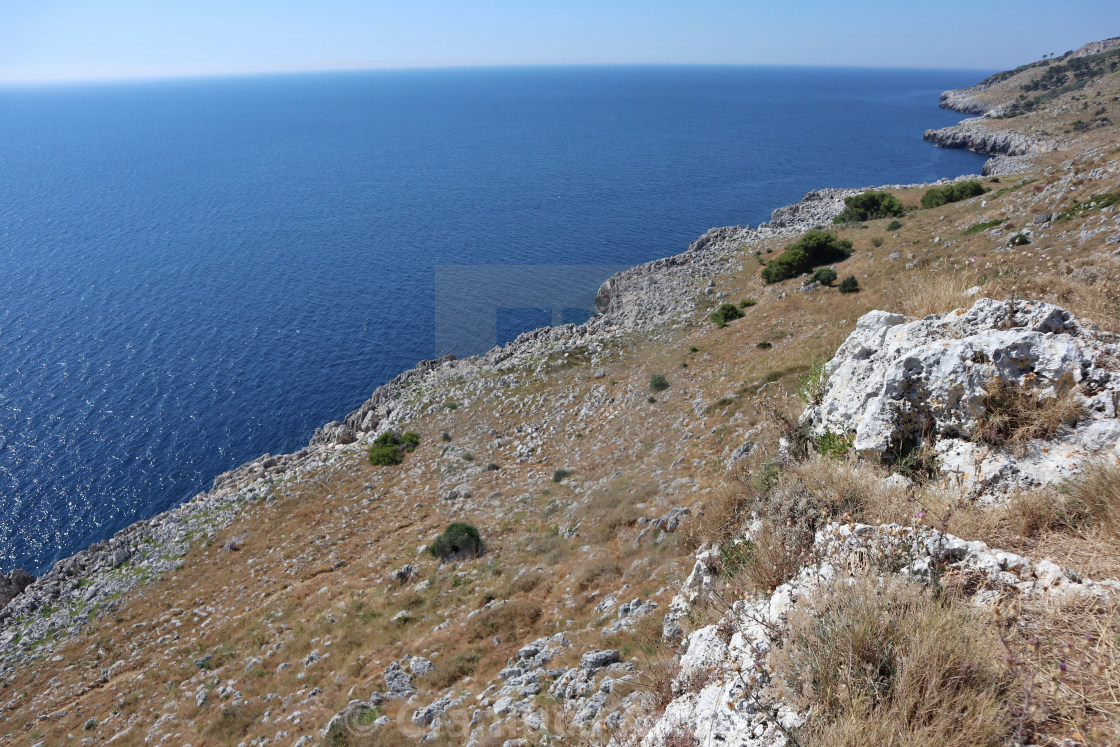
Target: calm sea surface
[[193, 273]]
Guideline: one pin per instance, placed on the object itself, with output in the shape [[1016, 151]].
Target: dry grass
[[936, 294], [890, 664], [1014, 414], [1095, 494], [1088, 287], [1066, 659]]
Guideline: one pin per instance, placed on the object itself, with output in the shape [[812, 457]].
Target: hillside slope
[[664, 516]]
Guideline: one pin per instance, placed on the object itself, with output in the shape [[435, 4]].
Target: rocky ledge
[[975, 135]]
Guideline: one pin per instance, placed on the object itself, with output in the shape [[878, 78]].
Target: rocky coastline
[[90, 584]]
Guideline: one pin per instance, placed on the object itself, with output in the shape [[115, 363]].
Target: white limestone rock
[[895, 383]]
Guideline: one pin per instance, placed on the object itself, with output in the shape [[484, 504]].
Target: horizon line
[[265, 72]]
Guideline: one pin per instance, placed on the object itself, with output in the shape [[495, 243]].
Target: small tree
[[658, 383], [815, 248], [849, 285], [869, 206], [727, 312]]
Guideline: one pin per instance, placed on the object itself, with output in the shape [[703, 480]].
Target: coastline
[[642, 299]]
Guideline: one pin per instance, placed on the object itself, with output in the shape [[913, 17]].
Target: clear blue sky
[[96, 39]]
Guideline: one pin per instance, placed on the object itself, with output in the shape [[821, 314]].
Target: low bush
[[658, 383], [459, 540], [985, 226], [938, 196], [813, 249], [561, 474], [849, 285], [764, 345], [869, 206], [894, 225], [726, 313], [834, 445], [746, 303], [1020, 239], [389, 448], [824, 276]]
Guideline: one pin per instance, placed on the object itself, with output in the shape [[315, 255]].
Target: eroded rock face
[[895, 384], [976, 135], [13, 584]]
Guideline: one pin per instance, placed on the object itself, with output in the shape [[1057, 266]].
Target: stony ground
[[304, 585]]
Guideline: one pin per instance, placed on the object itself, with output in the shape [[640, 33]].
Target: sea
[[196, 272]]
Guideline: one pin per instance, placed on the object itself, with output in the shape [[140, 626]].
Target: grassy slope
[[311, 574]]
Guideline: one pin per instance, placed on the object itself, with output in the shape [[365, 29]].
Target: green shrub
[[764, 345], [938, 196], [1096, 202], [560, 474], [726, 313], [658, 383], [894, 225], [810, 385], [445, 436], [813, 249], [834, 445], [869, 206], [492, 467], [693, 349], [824, 275], [459, 539], [978, 227], [746, 303], [849, 285], [385, 456], [1020, 239], [389, 448]]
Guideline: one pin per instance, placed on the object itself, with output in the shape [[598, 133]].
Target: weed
[[834, 445], [1013, 414], [811, 383]]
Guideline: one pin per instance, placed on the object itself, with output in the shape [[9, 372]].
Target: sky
[[64, 40]]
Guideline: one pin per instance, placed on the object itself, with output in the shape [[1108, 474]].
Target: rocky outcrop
[[1097, 47], [977, 136], [13, 584], [895, 385], [964, 101], [723, 687]]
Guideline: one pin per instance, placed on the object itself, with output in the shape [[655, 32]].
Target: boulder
[[13, 584], [595, 659], [895, 384]]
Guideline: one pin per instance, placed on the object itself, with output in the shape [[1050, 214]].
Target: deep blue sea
[[193, 273]]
